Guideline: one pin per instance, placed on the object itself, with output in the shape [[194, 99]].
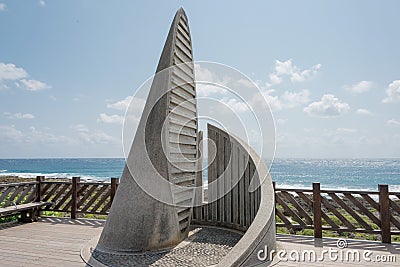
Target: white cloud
[[9, 115], [287, 68], [3, 6], [95, 137], [42, 2], [34, 85], [10, 133], [246, 83], [393, 122], [11, 72], [362, 111], [286, 101], [360, 87], [110, 118], [204, 74], [235, 105], [137, 103], [209, 82], [294, 99], [393, 92], [266, 96], [275, 78], [329, 106], [203, 90], [37, 136]]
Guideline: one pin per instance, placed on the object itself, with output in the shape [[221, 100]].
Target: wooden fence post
[[317, 210], [39, 188], [384, 212], [75, 197], [114, 182]]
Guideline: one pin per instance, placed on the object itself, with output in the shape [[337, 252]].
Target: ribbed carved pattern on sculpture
[[182, 124]]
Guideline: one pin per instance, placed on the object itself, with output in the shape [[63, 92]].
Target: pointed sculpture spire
[[152, 206]]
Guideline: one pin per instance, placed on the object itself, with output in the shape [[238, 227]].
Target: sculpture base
[[205, 246]]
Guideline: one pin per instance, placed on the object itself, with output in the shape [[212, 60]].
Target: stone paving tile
[[204, 247]]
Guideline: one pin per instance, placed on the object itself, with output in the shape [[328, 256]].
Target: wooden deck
[[58, 241], [48, 242]]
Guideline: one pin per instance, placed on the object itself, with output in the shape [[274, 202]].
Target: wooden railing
[[18, 193], [73, 197], [371, 212]]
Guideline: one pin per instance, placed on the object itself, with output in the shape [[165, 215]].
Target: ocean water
[[361, 174], [87, 169]]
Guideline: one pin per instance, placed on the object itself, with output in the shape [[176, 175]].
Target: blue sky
[[330, 70]]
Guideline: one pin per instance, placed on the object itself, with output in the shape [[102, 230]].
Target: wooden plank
[[354, 192], [32, 195], [7, 192], [24, 193], [317, 210], [282, 217], [106, 209], [45, 188], [61, 192], [113, 189], [48, 195], [302, 212], [74, 197], [39, 188], [363, 209], [394, 206], [294, 216], [308, 202], [350, 211], [372, 202], [394, 221], [101, 201], [21, 207], [384, 211], [17, 184], [64, 199], [94, 198], [87, 195], [329, 220], [306, 199], [11, 199], [337, 213]]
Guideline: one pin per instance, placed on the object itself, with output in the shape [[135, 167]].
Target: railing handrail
[[18, 184]]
